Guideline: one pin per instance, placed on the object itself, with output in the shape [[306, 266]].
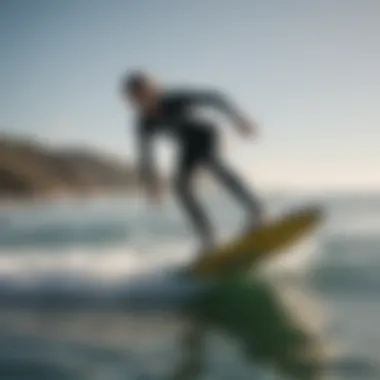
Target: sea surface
[[89, 289]]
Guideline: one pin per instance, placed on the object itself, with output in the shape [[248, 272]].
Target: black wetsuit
[[198, 147]]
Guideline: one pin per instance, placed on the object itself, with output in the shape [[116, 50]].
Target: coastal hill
[[29, 169]]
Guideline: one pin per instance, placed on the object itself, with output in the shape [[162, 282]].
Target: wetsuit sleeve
[[147, 170], [213, 99]]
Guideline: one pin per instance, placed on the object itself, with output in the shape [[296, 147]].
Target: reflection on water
[[263, 327], [249, 315]]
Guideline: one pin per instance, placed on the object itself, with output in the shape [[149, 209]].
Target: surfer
[[172, 112]]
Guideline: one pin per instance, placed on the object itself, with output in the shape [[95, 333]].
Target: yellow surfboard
[[247, 250]]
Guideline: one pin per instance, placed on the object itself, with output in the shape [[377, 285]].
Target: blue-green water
[[88, 291]]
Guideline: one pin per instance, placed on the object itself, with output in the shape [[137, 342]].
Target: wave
[[87, 278], [349, 263], [92, 260], [50, 235]]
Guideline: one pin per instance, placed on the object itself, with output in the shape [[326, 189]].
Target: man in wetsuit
[[172, 112]]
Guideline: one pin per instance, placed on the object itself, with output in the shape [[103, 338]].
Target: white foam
[[117, 272]]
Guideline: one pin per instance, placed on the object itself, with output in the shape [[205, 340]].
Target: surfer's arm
[[220, 102], [147, 170]]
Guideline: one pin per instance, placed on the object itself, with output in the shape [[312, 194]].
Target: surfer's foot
[[255, 221], [207, 246], [206, 249]]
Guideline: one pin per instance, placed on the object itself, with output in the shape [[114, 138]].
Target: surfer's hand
[[247, 128]]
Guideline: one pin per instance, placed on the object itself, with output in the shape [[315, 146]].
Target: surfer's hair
[[133, 82]]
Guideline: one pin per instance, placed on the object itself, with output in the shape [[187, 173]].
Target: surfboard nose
[[257, 244]]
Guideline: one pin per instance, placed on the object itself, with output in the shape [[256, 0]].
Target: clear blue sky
[[309, 71]]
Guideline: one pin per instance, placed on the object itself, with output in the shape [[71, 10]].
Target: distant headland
[[32, 170]]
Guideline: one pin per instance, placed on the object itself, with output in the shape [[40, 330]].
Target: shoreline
[[134, 192], [58, 197]]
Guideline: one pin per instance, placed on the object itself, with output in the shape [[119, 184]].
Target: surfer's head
[[141, 89]]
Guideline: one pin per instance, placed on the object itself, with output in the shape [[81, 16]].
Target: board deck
[[242, 253]]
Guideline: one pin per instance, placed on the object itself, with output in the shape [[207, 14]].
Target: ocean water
[[89, 290]]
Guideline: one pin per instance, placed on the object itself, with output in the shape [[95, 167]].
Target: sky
[[307, 71]]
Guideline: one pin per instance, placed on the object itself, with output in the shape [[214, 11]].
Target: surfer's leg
[[237, 188], [189, 202]]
